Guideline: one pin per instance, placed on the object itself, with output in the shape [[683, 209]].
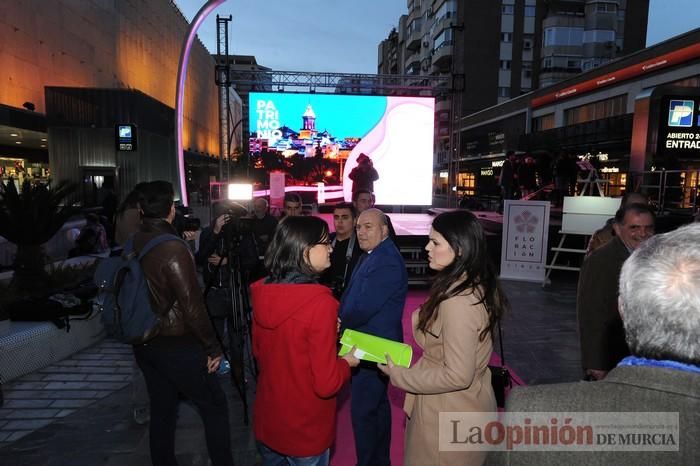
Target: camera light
[[240, 191]]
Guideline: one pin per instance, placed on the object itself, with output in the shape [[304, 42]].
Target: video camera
[[239, 239], [191, 224], [237, 225], [184, 221]]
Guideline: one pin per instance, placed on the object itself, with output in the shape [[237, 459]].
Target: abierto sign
[[524, 240]]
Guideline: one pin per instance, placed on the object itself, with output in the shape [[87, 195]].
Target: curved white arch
[[180, 90]]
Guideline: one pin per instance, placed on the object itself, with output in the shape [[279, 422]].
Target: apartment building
[[496, 50]]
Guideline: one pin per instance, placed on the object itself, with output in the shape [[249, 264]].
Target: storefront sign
[[679, 125], [126, 137], [471, 147], [487, 172], [640, 69], [496, 139], [524, 240]]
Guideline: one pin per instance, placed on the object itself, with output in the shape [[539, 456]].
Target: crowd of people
[[522, 175], [308, 285]]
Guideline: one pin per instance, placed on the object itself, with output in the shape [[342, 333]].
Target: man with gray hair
[[263, 224], [373, 303], [660, 300], [660, 306], [600, 329]]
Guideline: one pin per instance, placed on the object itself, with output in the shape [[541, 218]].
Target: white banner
[[524, 240], [277, 190]]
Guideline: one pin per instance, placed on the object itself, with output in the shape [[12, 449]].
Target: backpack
[[123, 295]]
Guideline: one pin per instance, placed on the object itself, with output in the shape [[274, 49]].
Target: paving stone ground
[[77, 412]]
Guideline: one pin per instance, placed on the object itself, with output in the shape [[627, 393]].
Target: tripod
[[237, 316]]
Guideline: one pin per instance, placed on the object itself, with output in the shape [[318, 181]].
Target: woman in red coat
[[294, 342]]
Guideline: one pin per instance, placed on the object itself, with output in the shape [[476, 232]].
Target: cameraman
[[220, 241], [346, 251], [185, 225]]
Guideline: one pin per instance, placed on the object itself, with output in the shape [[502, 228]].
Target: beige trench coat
[[451, 376]]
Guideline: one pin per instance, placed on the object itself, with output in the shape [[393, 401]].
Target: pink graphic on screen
[[401, 149]]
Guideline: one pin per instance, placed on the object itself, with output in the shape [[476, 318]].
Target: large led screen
[[322, 137]]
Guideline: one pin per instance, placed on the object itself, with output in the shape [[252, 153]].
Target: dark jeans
[[228, 326], [371, 417], [272, 458], [174, 367]]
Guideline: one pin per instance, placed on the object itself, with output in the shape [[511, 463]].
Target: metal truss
[[343, 83]]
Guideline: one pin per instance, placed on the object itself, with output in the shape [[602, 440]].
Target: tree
[[28, 219]]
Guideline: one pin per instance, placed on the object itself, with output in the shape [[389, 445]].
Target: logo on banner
[[680, 113], [526, 222]]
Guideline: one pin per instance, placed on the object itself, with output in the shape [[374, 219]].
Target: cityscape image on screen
[[320, 137]]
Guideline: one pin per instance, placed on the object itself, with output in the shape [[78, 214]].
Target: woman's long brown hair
[[471, 271]]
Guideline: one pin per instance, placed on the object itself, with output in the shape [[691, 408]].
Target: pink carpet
[[343, 452]]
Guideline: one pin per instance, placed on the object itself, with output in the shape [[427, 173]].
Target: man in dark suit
[[373, 303], [600, 327], [660, 306]]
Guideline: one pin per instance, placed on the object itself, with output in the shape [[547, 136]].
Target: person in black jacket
[[364, 174], [226, 246], [527, 176], [263, 224], [180, 359], [346, 251]]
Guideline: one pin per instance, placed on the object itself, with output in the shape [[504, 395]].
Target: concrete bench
[[29, 346]]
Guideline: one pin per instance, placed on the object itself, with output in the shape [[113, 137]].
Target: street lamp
[[228, 146]]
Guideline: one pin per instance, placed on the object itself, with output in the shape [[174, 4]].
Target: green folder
[[371, 348]]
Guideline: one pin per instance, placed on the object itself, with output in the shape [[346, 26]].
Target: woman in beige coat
[[454, 328]]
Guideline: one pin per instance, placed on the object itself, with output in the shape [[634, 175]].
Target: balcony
[[413, 61], [413, 41], [442, 56], [444, 22]]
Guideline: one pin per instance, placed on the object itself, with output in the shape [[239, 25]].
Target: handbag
[[500, 376]]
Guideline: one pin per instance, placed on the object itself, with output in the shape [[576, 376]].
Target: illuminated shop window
[[467, 183]]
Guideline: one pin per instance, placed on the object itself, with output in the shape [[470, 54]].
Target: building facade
[[88, 59], [495, 51], [599, 115], [581, 35]]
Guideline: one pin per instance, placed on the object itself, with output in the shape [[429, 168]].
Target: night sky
[[342, 36]]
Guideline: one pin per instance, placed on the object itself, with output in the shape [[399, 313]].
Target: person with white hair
[[660, 307], [660, 301]]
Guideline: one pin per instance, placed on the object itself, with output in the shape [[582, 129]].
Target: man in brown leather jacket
[[180, 360]]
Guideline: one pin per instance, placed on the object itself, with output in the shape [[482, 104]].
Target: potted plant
[[39, 292], [28, 219]]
